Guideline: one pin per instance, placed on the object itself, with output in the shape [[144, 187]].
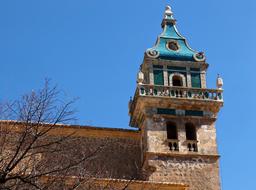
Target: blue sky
[[93, 49]]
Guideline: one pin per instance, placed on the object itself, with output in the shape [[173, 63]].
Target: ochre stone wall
[[200, 173], [103, 152], [156, 135], [111, 153], [118, 154], [200, 169], [116, 157]]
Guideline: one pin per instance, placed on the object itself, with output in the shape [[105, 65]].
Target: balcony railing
[[180, 92], [173, 144], [192, 145]]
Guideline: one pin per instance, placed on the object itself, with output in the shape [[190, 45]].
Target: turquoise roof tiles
[[171, 45]]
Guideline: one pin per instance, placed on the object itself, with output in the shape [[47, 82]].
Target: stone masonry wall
[[199, 173], [200, 170], [156, 133], [108, 157]]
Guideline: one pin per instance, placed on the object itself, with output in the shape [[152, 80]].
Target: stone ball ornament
[[199, 56], [219, 82]]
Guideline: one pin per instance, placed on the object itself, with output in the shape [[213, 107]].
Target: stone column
[[181, 131], [188, 77], [203, 79], [151, 74], [165, 75]]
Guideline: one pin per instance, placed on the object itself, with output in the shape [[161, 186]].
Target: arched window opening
[[172, 136], [177, 81], [172, 131], [190, 132], [191, 137]]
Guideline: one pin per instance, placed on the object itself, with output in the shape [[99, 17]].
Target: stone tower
[[176, 113]]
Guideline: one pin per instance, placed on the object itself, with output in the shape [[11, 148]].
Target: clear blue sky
[[93, 49]]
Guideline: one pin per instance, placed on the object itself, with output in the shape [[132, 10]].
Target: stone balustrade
[[180, 92], [192, 145], [173, 144]]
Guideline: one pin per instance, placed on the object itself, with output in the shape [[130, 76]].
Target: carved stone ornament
[[140, 77], [219, 82], [172, 45], [152, 53], [199, 56]]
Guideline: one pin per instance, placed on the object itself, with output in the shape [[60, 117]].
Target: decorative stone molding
[[152, 53], [172, 45], [199, 57]]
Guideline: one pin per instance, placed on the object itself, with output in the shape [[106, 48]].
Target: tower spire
[[171, 45]]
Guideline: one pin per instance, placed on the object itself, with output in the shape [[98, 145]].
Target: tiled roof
[[171, 34]]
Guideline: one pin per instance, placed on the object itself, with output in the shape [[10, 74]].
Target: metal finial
[[168, 10]]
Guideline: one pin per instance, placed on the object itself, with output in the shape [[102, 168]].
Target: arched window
[[191, 137], [172, 131], [190, 131], [177, 81], [172, 136]]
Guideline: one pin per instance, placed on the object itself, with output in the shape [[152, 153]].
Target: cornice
[[79, 130]]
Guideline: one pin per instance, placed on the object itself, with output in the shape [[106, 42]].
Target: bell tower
[[176, 113]]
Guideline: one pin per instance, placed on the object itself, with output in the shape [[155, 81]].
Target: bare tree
[[34, 156], [26, 143]]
